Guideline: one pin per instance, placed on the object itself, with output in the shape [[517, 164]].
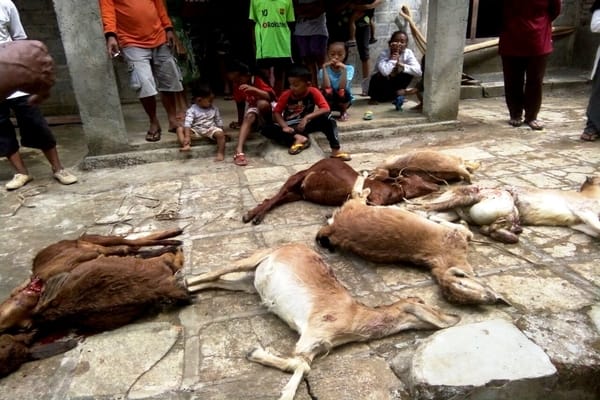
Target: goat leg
[[153, 239], [244, 265], [289, 192]]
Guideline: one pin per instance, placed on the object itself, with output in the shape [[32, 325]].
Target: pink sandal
[[240, 159]]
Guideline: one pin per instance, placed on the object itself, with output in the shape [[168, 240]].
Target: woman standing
[[525, 43]]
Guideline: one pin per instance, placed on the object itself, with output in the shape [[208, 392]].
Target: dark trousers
[[33, 128], [593, 109], [385, 88], [323, 124], [523, 81]]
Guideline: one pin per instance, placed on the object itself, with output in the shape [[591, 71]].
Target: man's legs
[[169, 82], [17, 163], [169, 102], [149, 104]]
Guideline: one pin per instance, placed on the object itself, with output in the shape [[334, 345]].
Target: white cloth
[[595, 27], [202, 118], [386, 66], [11, 29]]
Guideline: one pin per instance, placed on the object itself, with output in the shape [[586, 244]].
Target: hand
[[112, 46], [288, 129], [171, 38], [26, 65], [302, 125]]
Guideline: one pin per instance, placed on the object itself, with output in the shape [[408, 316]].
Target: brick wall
[[39, 21]]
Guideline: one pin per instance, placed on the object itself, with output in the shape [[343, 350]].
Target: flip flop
[[235, 125], [240, 159], [515, 122], [153, 136], [298, 148], [589, 136], [535, 124], [342, 156]]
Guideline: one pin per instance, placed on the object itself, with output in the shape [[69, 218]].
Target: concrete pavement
[[546, 345]]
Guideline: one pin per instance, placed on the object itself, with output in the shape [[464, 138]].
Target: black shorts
[[33, 128], [281, 64]]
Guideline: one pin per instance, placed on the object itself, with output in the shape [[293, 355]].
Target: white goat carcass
[[501, 211], [300, 288], [391, 235]]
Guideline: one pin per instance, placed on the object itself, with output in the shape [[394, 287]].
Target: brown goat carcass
[[431, 165], [300, 288], [330, 181], [391, 235], [93, 283]]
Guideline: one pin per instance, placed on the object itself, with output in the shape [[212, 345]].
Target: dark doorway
[[484, 19]]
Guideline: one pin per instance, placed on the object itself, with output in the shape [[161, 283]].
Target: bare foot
[[187, 147], [220, 157]]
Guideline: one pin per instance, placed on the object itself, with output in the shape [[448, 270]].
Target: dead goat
[[431, 165], [330, 181], [94, 283], [301, 289], [389, 234], [502, 211]]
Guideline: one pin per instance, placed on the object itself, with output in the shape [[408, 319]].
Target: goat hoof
[[250, 354]]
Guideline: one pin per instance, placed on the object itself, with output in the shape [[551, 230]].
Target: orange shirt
[[139, 23]]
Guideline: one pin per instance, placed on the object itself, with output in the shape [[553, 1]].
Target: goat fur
[[431, 165], [329, 182], [388, 234], [502, 211], [301, 289], [93, 283]]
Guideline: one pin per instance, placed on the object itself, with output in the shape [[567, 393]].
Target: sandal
[[515, 122], [342, 156], [240, 159], [535, 124], [298, 148], [153, 136], [235, 125], [589, 136]]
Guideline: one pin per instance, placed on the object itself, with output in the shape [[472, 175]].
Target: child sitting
[[203, 119], [301, 110], [396, 67], [336, 79], [251, 91]]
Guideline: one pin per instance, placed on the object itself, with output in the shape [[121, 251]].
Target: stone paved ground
[[546, 345]]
